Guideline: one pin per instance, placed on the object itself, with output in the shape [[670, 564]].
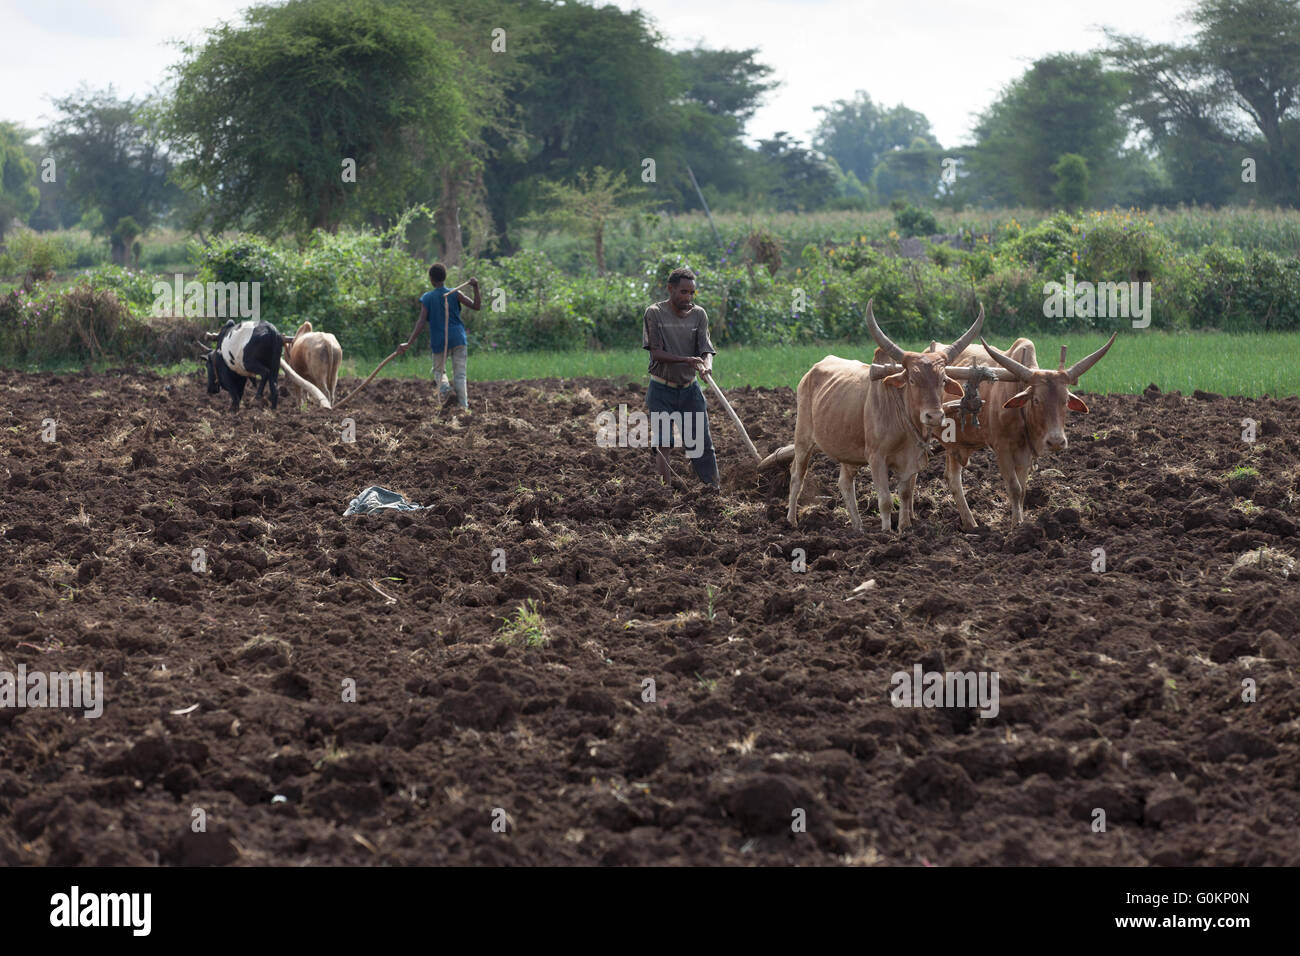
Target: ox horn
[[1022, 372], [1078, 368], [211, 335], [959, 346], [881, 338]]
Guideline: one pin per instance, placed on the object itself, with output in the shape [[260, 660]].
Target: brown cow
[[1020, 426], [315, 356], [871, 415]]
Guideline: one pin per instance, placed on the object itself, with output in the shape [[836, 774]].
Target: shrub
[[912, 221], [132, 287], [83, 322], [38, 255]]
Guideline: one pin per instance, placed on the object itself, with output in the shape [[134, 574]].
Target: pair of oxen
[[884, 416]]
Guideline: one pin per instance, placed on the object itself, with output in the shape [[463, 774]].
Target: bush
[[364, 290], [133, 288], [1013, 302], [1050, 248], [37, 255], [1249, 290], [912, 221], [84, 322]]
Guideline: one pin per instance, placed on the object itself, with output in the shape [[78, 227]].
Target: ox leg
[[1022, 476], [264, 375], [906, 495], [880, 478], [798, 468], [849, 489], [1015, 490], [952, 468]]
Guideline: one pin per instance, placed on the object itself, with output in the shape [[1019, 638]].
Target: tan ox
[[1020, 426], [315, 356], [871, 415]]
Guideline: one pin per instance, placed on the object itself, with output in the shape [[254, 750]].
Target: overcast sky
[[946, 58]]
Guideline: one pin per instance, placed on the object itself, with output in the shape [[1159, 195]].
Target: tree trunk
[[118, 248], [448, 219], [600, 249]]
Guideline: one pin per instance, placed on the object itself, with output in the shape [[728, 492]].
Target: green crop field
[[1248, 365]]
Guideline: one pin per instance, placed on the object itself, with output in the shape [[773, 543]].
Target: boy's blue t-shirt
[[432, 300]]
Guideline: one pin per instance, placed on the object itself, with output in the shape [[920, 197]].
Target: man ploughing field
[[676, 334], [440, 307]]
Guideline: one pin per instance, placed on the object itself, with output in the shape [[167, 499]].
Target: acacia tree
[[796, 178], [111, 155], [596, 89], [492, 40], [721, 91], [587, 206], [1235, 89], [267, 114]]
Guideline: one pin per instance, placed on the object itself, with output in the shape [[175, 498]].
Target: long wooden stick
[[340, 402], [734, 417]]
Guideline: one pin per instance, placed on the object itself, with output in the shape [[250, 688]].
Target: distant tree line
[[502, 114]]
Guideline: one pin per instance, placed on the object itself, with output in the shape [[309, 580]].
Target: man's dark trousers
[[688, 401]]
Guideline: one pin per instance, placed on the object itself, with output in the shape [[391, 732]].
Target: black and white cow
[[250, 349]]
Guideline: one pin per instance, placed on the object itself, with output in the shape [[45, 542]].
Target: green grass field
[[1247, 365]]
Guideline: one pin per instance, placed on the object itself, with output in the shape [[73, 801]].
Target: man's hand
[[474, 283], [401, 349], [699, 365]]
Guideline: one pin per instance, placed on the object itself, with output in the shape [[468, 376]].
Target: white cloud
[[946, 58], [52, 47]]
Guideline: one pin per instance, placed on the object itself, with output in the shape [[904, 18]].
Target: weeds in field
[[58, 569], [707, 683], [389, 440], [711, 594], [1240, 473], [527, 627], [333, 752]]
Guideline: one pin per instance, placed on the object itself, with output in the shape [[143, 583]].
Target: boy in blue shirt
[[432, 305]]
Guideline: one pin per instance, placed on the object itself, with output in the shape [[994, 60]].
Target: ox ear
[[953, 388], [897, 380], [1018, 399], [1075, 404]]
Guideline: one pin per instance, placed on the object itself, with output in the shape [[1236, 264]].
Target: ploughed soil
[[364, 690]]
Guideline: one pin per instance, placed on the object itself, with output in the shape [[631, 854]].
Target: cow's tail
[[303, 384], [782, 456], [336, 359]]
